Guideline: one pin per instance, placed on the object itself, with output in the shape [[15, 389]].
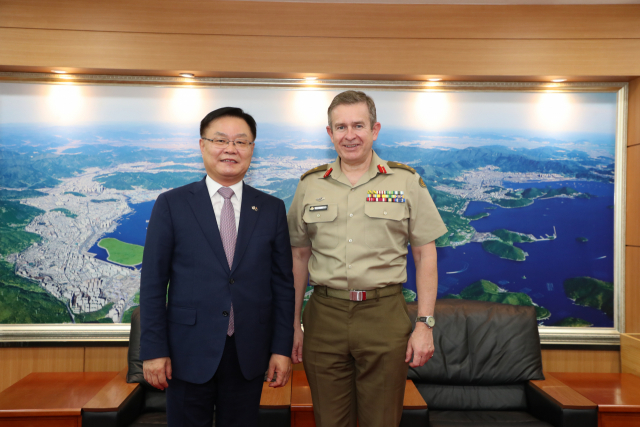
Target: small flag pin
[[255, 208]]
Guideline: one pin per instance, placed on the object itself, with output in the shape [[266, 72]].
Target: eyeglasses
[[241, 144]]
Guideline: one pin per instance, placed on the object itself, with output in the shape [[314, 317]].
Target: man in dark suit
[[230, 305]]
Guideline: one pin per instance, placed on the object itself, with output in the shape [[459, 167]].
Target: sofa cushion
[[482, 343], [474, 397], [483, 419]]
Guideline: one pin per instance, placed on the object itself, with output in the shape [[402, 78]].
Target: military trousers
[[353, 356]]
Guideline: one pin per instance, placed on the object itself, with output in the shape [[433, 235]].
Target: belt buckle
[[357, 295]]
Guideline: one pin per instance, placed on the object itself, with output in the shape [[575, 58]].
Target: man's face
[[227, 164], [351, 132]]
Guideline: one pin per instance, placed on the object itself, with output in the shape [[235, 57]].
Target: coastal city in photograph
[[524, 183]]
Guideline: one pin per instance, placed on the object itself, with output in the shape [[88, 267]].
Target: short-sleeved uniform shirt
[[360, 244]]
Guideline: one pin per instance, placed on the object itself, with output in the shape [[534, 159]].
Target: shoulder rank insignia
[[422, 184], [401, 166], [316, 169]]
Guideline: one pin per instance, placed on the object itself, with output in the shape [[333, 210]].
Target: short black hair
[[228, 112]]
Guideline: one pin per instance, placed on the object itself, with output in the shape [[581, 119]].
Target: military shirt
[[360, 244]]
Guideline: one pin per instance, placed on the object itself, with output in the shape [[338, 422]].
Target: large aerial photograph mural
[[523, 180]]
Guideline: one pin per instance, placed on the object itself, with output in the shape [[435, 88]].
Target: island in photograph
[[527, 197]]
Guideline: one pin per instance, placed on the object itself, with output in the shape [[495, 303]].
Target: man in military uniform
[[349, 224]]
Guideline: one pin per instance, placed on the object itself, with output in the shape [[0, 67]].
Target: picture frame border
[[548, 335]]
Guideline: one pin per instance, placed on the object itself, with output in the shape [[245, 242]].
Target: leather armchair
[[487, 370]]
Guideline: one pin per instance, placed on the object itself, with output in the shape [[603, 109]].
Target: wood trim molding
[[250, 54], [335, 20]]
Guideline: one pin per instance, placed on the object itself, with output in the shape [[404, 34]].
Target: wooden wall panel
[[17, 363], [607, 361], [633, 197], [633, 131], [293, 19], [632, 289], [630, 354], [105, 359], [238, 54]]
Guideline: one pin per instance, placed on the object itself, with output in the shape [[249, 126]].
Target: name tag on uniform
[[385, 196], [319, 208]]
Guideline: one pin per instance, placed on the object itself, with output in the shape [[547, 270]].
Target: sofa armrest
[[553, 401], [117, 404], [414, 410], [275, 405]]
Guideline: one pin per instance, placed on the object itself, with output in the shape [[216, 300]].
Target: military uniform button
[[225, 313], [385, 212], [349, 265], [351, 215], [318, 215], [350, 240]]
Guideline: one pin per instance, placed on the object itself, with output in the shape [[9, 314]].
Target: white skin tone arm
[[300, 279], [420, 345]]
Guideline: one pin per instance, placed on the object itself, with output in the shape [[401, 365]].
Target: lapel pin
[[255, 208]]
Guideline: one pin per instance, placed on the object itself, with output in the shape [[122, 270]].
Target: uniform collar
[[371, 173], [373, 167]]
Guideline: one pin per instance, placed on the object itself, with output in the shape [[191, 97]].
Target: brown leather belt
[[356, 295]]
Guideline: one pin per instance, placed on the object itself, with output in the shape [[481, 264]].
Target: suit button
[[231, 281], [225, 313]]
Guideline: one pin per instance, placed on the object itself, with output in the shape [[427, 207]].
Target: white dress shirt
[[217, 200]]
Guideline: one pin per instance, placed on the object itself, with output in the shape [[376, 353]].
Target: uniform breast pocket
[[387, 224], [322, 225]]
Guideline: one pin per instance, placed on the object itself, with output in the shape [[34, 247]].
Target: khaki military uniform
[[354, 352]]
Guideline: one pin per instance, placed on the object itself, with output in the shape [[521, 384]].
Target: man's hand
[[298, 337], [157, 371], [280, 369], [420, 345]]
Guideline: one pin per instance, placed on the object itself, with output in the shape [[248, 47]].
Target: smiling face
[[351, 132], [226, 165]]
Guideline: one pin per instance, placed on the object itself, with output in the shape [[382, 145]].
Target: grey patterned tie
[[228, 234]]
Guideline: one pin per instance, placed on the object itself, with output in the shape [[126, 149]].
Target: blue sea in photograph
[[132, 229], [550, 262]]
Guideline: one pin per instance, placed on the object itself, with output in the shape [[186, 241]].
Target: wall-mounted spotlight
[[58, 72], [186, 75], [559, 80], [434, 80]]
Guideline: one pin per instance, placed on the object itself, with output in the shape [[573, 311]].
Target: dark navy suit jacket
[[183, 249]]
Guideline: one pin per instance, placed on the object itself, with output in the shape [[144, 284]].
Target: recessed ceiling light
[[311, 79], [58, 71], [186, 75], [559, 80], [434, 80]]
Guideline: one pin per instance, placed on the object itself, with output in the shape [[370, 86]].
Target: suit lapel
[[201, 205], [248, 220]]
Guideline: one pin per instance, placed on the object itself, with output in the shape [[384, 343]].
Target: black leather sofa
[[485, 356], [146, 406]]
